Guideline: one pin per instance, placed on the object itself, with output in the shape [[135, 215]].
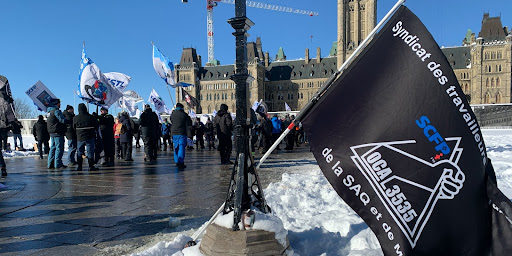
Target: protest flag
[[158, 102], [405, 151], [189, 99], [93, 85], [286, 107], [119, 80], [164, 67]]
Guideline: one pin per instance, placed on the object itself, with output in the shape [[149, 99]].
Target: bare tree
[[23, 109]]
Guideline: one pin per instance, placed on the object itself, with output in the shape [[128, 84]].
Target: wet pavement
[[118, 209]]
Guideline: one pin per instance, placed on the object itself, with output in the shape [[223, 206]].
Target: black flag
[[191, 101], [398, 141]]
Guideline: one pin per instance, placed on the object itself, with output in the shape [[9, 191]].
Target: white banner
[[40, 95], [157, 101], [119, 80]]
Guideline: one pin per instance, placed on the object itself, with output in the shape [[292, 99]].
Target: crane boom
[[274, 7], [210, 4]]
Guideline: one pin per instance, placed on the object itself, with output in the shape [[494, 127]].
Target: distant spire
[[334, 49], [280, 54]]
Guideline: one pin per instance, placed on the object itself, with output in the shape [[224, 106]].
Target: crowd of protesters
[[101, 139]]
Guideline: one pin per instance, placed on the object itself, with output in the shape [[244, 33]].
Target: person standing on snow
[[106, 122]]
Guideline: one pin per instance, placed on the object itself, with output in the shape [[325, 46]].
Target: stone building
[[482, 65]]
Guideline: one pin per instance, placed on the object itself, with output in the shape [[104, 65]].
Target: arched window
[[301, 95], [487, 82], [492, 82], [497, 82], [487, 98], [498, 98], [209, 109]]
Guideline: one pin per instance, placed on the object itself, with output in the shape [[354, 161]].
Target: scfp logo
[[433, 136]]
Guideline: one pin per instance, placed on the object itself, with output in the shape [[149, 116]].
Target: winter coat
[[56, 122], [209, 129], [181, 123], [149, 124], [199, 128], [106, 123], [276, 123], [84, 124], [223, 124], [166, 129], [127, 129], [70, 131], [40, 131], [16, 127]]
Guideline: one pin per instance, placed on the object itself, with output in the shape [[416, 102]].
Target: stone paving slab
[[114, 210]]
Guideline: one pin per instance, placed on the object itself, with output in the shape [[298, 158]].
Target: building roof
[[298, 69], [459, 57], [214, 73], [492, 29], [188, 56]]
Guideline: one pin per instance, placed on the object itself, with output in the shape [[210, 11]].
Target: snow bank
[[173, 248], [319, 222]]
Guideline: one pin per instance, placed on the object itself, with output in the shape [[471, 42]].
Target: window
[[498, 98], [487, 98], [497, 82], [492, 82], [487, 82]]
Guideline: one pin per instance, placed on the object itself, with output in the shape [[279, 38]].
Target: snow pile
[[318, 222], [173, 248], [268, 222]]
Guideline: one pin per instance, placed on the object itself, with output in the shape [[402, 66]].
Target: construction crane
[[210, 4]]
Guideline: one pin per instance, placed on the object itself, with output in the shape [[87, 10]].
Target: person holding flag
[[181, 128]]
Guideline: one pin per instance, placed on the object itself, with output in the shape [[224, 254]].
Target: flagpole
[[328, 83], [314, 100], [169, 90]]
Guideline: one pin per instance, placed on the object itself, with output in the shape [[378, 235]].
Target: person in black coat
[[209, 131], [150, 130], [181, 128], [86, 127], [199, 130], [126, 137], [224, 128], [41, 135], [106, 122], [16, 127], [69, 114]]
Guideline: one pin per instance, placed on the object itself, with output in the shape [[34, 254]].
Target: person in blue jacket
[[276, 128]]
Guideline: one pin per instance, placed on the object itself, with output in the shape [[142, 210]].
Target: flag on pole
[[158, 102], [191, 101], [119, 80], [286, 107], [405, 150], [40, 95], [133, 96], [94, 86], [192, 114], [164, 67]]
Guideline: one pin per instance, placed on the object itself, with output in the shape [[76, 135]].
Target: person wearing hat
[[149, 129], [106, 122], [85, 126], [223, 124], [69, 114], [56, 125], [181, 128]]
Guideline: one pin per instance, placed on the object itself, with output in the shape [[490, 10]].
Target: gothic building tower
[[356, 18]]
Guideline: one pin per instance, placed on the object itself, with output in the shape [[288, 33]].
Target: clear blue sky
[[42, 40]]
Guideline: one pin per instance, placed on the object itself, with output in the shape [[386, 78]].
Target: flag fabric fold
[[405, 151], [158, 102], [189, 99], [93, 85], [164, 67], [286, 107], [119, 80]]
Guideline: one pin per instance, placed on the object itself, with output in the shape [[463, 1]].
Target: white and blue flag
[[164, 67], [93, 85], [119, 80]]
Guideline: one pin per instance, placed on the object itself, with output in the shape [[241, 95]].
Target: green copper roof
[[334, 49], [280, 54], [467, 39]]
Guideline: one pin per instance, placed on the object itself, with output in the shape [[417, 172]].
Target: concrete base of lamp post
[[221, 241]]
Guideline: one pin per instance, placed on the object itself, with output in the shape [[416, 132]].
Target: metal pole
[[328, 83], [170, 96]]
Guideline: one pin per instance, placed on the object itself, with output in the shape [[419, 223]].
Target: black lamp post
[[241, 195]]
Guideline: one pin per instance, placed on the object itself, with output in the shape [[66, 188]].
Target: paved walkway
[[115, 210]]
